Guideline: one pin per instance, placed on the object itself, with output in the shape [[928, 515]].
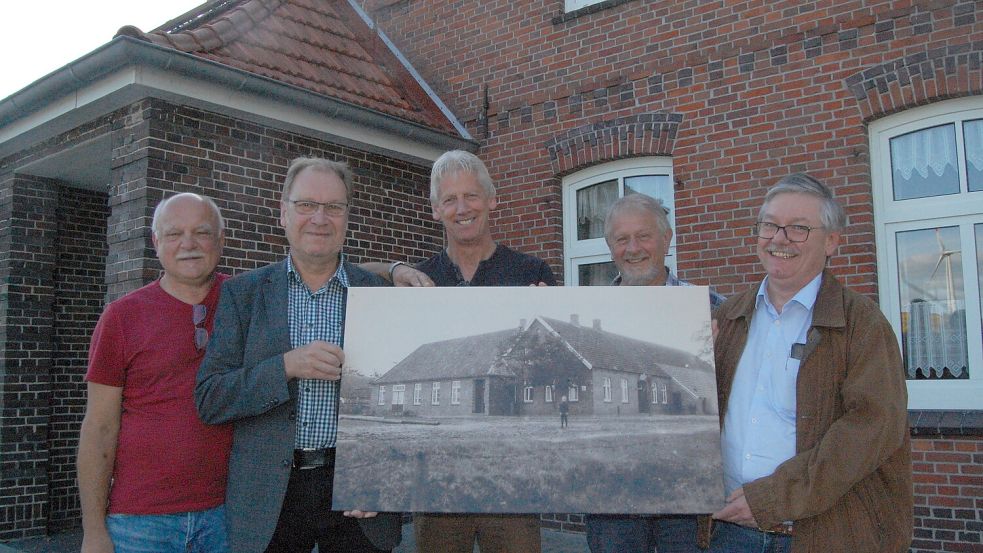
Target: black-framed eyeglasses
[[309, 207], [794, 233], [198, 314]]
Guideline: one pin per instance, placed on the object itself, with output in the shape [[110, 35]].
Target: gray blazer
[[242, 380]]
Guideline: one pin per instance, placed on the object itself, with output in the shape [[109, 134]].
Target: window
[[382, 395], [573, 5], [435, 394], [665, 393], [624, 390], [927, 168], [549, 394], [587, 195], [399, 390], [417, 393], [655, 393], [456, 392], [607, 389], [572, 394], [527, 393]]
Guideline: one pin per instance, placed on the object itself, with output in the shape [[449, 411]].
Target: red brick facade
[[738, 94]]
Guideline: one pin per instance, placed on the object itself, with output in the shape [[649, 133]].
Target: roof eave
[[125, 52]]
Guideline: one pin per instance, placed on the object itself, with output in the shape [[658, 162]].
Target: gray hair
[[155, 223], [456, 161], [638, 202], [832, 216], [337, 168]]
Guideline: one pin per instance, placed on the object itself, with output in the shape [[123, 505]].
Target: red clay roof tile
[[322, 46]]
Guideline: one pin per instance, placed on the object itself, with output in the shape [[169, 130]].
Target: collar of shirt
[[339, 274], [806, 296]]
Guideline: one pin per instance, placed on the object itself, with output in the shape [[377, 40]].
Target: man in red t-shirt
[[151, 474]]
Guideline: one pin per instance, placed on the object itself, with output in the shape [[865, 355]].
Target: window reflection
[[933, 308], [923, 163], [973, 134], [657, 186], [592, 206], [596, 274]]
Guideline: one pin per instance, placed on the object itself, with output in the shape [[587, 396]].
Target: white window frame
[[548, 397], [607, 389], [456, 392], [527, 393], [574, 5], [963, 210], [665, 393], [435, 394], [399, 394], [595, 250], [382, 395], [655, 393], [572, 394], [417, 393], [624, 390]]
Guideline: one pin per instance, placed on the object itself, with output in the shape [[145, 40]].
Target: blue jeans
[[623, 534], [732, 538], [193, 532]]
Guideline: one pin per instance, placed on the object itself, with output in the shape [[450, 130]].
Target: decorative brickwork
[[27, 263], [80, 289], [638, 135]]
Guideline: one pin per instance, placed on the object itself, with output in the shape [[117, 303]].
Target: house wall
[[426, 408], [738, 94], [64, 252]]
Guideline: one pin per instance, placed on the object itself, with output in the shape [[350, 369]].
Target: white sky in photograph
[[41, 36], [384, 325]]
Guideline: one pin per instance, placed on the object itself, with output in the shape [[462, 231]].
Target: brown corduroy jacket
[[848, 488]]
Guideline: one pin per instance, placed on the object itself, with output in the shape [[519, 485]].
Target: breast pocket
[[783, 389]]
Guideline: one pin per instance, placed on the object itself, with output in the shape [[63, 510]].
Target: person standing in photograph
[[151, 475], [813, 400], [564, 410], [638, 234], [462, 196], [273, 368]]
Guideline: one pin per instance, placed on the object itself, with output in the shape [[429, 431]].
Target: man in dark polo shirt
[[462, 196]]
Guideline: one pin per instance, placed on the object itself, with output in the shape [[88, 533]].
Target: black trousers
[[306, 518]]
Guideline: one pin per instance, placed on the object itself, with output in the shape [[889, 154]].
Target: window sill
[[930, 423], [587, 10]]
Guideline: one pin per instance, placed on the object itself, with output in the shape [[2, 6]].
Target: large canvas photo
[[511, 400]]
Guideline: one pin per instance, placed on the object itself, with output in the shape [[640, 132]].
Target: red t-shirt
[[167, 460]]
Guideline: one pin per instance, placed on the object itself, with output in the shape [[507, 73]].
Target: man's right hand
[[96, 541], [404, 275], [317, 360]]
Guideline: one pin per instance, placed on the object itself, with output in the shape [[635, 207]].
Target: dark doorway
[[479, 396]]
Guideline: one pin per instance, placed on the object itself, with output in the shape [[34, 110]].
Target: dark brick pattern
[[64, 252], [79, 283], [27, 263]]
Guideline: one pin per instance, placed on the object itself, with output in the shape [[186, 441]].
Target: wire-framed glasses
[[198, 314], [794, 233]]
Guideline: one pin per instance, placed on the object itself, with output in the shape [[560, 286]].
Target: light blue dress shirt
[[759, 426]]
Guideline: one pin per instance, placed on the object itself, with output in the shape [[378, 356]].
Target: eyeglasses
[[794, 233], [308, 207], [198, 314]]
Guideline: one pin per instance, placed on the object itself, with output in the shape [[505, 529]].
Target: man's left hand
[[360, 514], [737, 510], [404, 275]]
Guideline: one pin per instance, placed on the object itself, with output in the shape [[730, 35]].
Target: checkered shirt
[[316, 316]]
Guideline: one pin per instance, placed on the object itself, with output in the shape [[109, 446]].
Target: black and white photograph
[[511, 400]]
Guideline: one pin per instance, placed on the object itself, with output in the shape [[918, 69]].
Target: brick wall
[[739, 93], [65, 251], [27, 260], [79, 291]]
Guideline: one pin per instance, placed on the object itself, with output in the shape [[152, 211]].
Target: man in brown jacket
[[817, 456]]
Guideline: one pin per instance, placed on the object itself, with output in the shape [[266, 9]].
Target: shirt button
[[747, 456], [754, 420], [285, 463], [778, 323], [761, 388]]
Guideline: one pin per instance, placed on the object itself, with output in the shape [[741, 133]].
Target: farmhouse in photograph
[[530, 369]]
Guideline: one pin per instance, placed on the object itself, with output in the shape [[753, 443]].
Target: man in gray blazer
[[273, 367]]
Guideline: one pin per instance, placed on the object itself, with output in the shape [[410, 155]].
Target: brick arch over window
[[647, 134], [919, 78]]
